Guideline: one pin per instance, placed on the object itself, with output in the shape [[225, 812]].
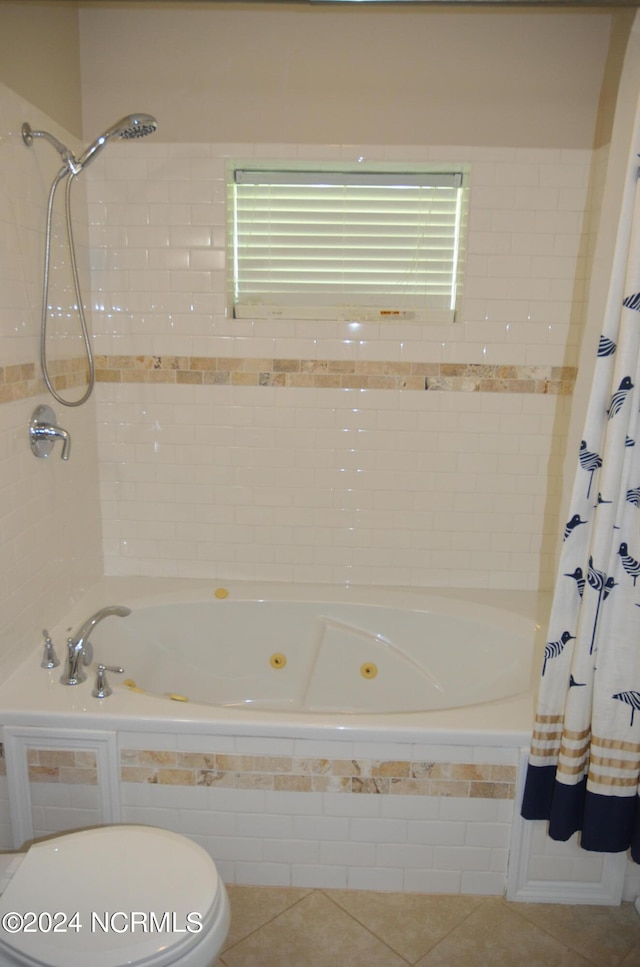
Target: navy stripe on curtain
[[609, 824]]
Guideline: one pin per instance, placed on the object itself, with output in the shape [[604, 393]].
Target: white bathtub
[[293, 660]]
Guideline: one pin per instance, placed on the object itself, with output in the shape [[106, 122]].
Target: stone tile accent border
[[22, 380], [78, 767], [336, 374], [288, 774]]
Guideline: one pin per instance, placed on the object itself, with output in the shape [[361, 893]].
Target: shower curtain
[[584, 761]]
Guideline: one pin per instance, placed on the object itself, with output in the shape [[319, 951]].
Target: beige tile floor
[[288, 927]]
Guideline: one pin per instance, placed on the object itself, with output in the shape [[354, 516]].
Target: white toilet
[[109, 897]]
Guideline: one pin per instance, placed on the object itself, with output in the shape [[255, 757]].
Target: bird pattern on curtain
[[584, 762]]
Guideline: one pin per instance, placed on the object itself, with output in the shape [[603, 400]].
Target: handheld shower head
[[131, 126]]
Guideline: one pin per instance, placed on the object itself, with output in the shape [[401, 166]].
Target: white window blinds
[[347, 244]]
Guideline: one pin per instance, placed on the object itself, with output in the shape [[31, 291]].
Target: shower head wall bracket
[[28, 134]]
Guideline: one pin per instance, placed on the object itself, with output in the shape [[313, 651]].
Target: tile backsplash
[[50, 538], [297, 450], [384, 453]]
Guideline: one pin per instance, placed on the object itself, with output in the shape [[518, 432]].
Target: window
[[347, 244]]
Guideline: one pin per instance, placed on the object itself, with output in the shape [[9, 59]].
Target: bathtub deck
[[312, 928], [31, 696]]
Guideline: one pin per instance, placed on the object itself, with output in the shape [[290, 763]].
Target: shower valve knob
[[43, 433]]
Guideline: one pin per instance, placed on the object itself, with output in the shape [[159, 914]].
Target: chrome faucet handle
[[101, 688], [49, 659], [43, 433]]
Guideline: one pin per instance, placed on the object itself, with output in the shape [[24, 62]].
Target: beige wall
[[323, 74], [621, 26], [40, 57]]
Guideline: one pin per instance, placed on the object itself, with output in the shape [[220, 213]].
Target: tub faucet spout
[[79, 649]]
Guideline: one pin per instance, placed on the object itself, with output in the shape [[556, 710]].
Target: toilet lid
[[143, 896]]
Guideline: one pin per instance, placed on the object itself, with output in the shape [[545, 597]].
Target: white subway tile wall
[[369, 487], [322, 482], [433, 842], [50, 541], [59, 807], [430, 841]]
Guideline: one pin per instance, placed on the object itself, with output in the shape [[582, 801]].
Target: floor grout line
[[450, 932], [270, 920], [385, 943], [519, 908], [424, 958], [514, 907]]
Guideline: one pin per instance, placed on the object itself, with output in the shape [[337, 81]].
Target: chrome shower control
[[43, 433]]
